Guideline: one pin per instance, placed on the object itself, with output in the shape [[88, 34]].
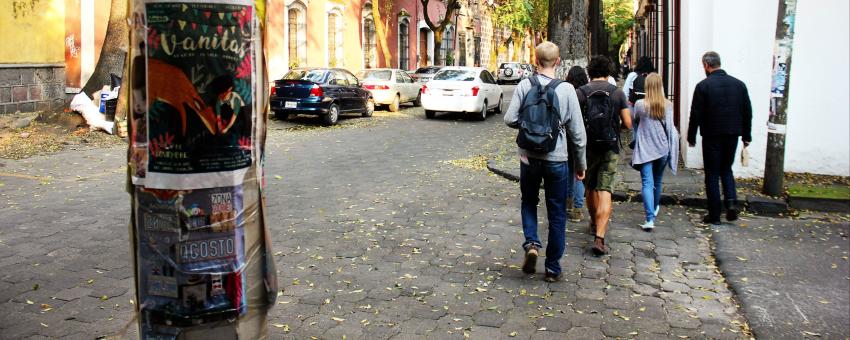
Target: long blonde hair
[[654, 100]]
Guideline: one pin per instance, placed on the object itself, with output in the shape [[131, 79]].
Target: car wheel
[[498, 109], [370, 108], [483, 114], [418, 101], [333, 115], [430, 114], [280, 115], [394, 105]]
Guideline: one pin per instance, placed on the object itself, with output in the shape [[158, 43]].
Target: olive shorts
[[601, 170]]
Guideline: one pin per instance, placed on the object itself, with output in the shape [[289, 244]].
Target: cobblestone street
[[383, 227]]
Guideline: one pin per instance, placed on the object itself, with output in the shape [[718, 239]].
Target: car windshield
[[427, 70], [380, 75], [457, 75], [511, 65], [310, 75]]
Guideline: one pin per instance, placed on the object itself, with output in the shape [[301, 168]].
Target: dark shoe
[[530, 260], [732, 213], [599, 248], [711, 220], [549, 277]]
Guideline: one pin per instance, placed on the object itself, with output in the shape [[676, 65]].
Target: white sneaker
[[648, 226]]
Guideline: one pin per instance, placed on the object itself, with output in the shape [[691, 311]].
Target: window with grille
[[293, 36], [332, 40], [448, 46], [369, 43], [404, 46]]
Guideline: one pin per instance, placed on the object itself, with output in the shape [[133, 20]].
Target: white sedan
[[390, 87], [462, 89]]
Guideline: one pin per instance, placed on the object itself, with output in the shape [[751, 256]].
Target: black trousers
[[718, 155]]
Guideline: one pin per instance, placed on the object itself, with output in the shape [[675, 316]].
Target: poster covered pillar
[[202, 253]]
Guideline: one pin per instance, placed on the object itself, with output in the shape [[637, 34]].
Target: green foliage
[[619, 18], [515, 15]]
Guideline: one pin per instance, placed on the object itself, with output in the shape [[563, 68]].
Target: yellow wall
[[32, 31]]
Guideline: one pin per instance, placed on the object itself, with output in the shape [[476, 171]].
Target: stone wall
[[31, 88]]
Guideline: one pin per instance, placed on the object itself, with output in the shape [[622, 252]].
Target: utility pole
[[774, 167]]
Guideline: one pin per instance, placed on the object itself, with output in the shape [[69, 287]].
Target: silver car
[[390, 87]]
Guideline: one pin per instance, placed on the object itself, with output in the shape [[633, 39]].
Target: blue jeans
[[651, 174], [554, 177], [718, 155], [575, 190]]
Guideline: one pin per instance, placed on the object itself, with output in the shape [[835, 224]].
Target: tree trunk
[[438, 44], [567, 28], [114, 49], [774, 164], [381, 32]]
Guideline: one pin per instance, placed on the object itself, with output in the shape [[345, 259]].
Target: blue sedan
[[324, 92]]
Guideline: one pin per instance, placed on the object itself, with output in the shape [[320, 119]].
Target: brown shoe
[[576, 215], [530, 261], [599, 247]]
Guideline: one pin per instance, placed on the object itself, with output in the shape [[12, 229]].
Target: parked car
[[390, 87], [510, 72], [424, 74], [462, 89], [325, 92]]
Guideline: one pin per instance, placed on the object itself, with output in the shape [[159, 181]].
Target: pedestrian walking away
[[577, 77], [722, 113], [546, 112], [604, 108], [656, 145]]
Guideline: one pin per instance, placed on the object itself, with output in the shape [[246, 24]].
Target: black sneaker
[[709, 220], [732, 214], [549, 277], [530, 261]]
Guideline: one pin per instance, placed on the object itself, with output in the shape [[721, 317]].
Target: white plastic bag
[[745, 157], [83, 104]]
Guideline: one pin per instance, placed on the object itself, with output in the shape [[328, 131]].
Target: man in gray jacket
[[550, 168]]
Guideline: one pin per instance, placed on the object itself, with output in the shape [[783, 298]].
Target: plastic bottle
[[104, 94]]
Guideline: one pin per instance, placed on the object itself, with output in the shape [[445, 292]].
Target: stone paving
[[387, 227]]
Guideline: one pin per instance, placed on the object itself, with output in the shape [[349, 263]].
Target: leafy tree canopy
[[619, 18]]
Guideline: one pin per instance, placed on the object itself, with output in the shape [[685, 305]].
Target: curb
[[754, 204]]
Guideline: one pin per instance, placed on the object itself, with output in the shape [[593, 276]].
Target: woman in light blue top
[[656, 146]]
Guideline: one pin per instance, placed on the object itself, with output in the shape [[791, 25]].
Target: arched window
[[334, 26], [404, 44], [370, 54], [296, 30], [448, 45]]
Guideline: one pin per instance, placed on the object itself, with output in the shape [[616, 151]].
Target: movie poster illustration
[[191, 256], [197, 92]]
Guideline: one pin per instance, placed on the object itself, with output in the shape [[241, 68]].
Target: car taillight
[[271, 92], [316, 91], [376, 87], [425, 89], [475, 91]]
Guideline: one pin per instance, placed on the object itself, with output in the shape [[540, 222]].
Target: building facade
[[676, 33]]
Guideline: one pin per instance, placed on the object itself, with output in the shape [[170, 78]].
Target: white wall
[[818, 112], [743, 32]]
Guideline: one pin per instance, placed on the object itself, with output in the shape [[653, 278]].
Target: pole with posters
[[774, 165], [197, 120]]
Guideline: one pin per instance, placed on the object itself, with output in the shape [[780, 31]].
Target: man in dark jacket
[[721, 111]]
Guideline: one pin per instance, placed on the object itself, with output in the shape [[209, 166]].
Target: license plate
[[291, 105]]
